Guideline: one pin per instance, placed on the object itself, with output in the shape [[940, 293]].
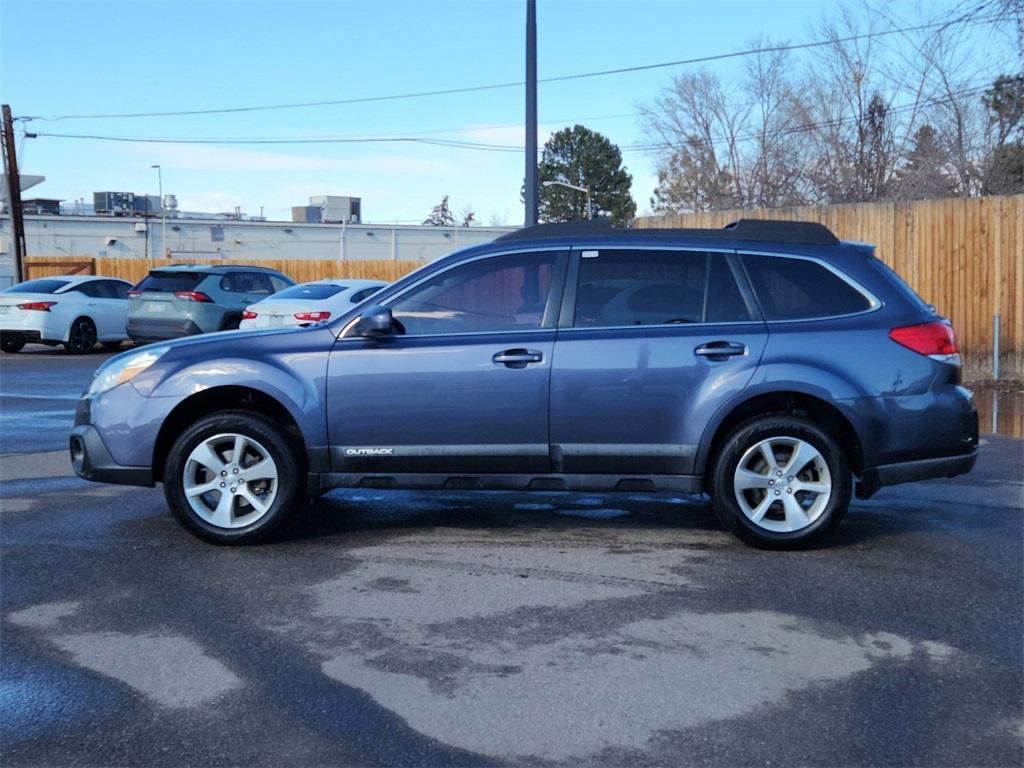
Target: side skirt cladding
[[513, 482]]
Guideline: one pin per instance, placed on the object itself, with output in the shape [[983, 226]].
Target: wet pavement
[[392, 628]]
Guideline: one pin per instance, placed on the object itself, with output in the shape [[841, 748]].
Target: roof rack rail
[[748, 230]]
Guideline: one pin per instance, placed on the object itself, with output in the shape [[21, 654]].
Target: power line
[[338, 140], [491, 147], [496, 86]]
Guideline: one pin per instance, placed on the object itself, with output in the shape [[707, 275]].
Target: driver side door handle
[[517, 358]]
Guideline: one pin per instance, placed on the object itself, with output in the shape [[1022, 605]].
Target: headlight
[[122, 369]]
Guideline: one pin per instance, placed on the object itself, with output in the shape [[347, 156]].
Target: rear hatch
[[164, 295]]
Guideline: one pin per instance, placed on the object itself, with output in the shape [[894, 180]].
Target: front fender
[[291, 368]]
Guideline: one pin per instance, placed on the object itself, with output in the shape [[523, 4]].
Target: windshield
[[310, 291], [43, 285]]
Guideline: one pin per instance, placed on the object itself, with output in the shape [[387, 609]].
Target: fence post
[[995, 346]]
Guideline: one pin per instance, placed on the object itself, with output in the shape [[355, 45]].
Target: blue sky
[[67, 58]]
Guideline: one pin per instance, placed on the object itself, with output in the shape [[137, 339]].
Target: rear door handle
[[720, 349], [517, 358]]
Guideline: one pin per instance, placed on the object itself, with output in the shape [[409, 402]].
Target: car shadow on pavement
[[343, 513]]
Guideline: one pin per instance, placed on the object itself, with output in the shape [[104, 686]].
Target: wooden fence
[[964, 255], [301, 270]]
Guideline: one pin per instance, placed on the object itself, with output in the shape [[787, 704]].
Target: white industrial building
[[246, 241]]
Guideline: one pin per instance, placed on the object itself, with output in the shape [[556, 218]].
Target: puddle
[[1000, 411]]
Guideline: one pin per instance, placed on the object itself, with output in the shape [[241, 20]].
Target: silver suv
[[190, 299]]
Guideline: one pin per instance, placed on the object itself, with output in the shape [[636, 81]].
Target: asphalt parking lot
[[452, 628]]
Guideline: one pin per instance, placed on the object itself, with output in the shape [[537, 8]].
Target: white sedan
[[73, 310], [308, 303]]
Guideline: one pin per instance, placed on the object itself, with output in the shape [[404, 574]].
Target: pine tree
[[584, 158], [440, 215]]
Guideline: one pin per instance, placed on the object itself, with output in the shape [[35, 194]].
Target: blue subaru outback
[[767, 364]]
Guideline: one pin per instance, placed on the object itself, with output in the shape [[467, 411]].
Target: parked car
[[309, 303], [74, 310], [767, 364], [186, 300]]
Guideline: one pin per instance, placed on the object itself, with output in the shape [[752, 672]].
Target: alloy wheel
[[782, 484], [83, 336], [230, 480]]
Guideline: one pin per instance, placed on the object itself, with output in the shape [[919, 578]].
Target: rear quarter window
[[901, 286], [799, 289]]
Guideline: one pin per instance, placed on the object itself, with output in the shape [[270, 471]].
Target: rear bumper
[[27, 337], [923, 469], [161, 330], [91, 460]]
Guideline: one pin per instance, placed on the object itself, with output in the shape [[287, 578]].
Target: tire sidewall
[[271, 437], [752, 432], [10, 346]]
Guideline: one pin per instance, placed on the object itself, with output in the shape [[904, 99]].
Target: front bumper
[[91, 460]]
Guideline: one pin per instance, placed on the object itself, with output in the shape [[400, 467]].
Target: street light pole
[[163, 218], [584, 190]]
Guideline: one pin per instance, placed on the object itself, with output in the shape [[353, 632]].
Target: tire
[[764, 504], [81, 337], [111, 345], [206, 450], [231, 323], [10, 346]]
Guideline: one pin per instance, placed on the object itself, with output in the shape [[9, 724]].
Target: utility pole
[[531, 113], [163, 215], [14, 194]]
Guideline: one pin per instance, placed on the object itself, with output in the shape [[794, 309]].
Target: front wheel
[[780, 482], [233, 477], [10, 346]]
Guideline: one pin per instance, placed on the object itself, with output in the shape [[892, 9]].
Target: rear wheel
[[780, 482], [10, 346], [233, 477], [81, 337]]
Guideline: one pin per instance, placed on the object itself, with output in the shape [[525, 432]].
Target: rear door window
[[799, 289], [619, 288], [253, 283], [92, 289], [170, 282], [366, 293]]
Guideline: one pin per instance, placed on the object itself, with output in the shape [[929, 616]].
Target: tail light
[[193, 296], [134, 293], [248, 314], [935, 340], [39, 306], [312, 317]]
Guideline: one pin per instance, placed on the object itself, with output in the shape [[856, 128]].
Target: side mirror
[[374, 321]]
